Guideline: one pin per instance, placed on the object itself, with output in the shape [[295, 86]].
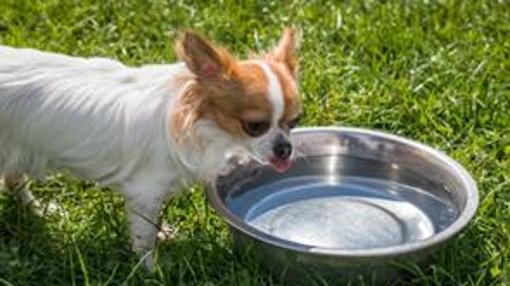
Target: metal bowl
[[356, 204]]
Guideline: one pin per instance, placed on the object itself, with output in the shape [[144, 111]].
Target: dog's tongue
[[281, 165]]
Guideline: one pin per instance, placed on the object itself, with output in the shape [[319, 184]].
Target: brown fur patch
[[243, 97], [207, 61], [285, 51]]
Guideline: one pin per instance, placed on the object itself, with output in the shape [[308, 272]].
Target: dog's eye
[[294, 122], [255, 128]]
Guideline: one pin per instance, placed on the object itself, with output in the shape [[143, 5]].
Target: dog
[[146, 130]]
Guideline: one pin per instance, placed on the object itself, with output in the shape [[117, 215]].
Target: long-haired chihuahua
[[149, 129]]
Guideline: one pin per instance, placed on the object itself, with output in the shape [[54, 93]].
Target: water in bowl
[[343, 212]]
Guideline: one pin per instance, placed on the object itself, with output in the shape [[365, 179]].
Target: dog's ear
[[207, 61], [285, 51]]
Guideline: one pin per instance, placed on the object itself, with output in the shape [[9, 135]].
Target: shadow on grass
[[40, 251], [25, 244], [36, 251], [50, 251]]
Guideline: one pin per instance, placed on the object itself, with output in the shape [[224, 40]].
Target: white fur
[[104, 121], [263, 145], [275, 92]]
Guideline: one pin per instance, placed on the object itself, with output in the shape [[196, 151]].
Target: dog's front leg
[[143, 207]]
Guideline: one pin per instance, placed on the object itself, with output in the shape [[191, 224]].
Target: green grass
[[434, 71]]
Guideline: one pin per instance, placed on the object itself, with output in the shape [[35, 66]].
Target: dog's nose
[[282, 150]]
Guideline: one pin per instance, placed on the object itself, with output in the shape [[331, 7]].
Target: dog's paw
[[166, 232]]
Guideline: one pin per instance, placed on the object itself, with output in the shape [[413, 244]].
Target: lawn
[[434, 71]]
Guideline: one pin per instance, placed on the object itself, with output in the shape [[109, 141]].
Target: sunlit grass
[[434, 71]]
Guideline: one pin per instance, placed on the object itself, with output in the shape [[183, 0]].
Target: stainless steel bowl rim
[[462, 221]]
